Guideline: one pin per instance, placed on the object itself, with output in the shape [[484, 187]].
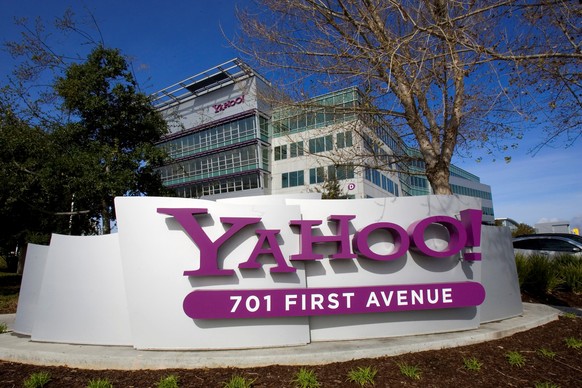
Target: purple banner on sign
[[293, 302]]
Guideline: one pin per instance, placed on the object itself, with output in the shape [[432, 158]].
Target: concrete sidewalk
[[18, 348]]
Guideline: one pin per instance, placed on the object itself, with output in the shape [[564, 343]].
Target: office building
[[226, 140]]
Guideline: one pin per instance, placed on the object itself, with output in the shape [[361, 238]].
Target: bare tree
[[450, 73]]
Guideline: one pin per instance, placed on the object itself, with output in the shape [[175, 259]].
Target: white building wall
[[195, 111]]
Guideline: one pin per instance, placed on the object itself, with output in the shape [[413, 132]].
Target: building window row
[[213, 138], [295, 150], [316, 145], [336, 108], [319, 174], [462, 190], [292, 179], [381, 180], [325, 143], [227, 185], [418, 181], [228, 162], [321, 144]]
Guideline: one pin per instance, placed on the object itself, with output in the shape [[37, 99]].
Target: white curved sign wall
[[271, 271]]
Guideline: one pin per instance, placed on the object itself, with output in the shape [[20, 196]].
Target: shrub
[[547, 353], [515, 358], [237, 381], [99, 383], [362, 376], [542, 276], [3, 327], [306, 378], [546, 384], [170, 381], [571, 274], [411, 371], [523, 266], [37, 380], [573, 343], [472, 364]]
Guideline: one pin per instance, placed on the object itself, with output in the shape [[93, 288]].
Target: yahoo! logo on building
[[464, 233], [235, 101]]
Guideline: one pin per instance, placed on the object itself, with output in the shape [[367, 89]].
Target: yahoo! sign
[[464, 237], [235, 101], [271, 271]]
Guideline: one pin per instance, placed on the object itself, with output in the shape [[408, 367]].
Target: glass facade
[[218, 159], [212, 138], [322, 111]]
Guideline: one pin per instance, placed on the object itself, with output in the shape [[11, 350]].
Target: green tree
[[75, 132], [29, 193], [331, 189], [523, 229], [114, 130], [443, 74]]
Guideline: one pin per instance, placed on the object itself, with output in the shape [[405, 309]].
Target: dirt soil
[[444, 368]]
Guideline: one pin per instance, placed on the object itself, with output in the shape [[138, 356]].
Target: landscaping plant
[[573, 343], [99, 383], [472, 364], [411, 371], [515, 358], [37, 380], [306, 378], [362, 376], [237, 381], [169, 381], [547, 353]]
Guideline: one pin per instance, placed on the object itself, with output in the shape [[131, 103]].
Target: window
[[316, 175], [321, 144], [296, 149], [281, 152], [344, 172], [292, 179], [344, 139]]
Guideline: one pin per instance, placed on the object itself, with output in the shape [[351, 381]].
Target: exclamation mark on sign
[[471, 220]]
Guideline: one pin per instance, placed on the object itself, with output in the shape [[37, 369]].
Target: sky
[[168, 41]]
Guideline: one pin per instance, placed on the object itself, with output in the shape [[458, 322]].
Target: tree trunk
[[438, 176], [105, 217]]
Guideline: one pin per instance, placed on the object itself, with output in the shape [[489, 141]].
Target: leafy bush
[[547, 353], [540, 274], [472, 364], [3, 327], [523, 266], [411, 371], [237, 381], [573, 343], [99, 383], [571, 274], [362, 376], [306, 378], [543, 276], [37, 380], [515, 358], [169, 381]]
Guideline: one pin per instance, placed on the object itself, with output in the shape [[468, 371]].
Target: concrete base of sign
[[129, 288], [17, 348]]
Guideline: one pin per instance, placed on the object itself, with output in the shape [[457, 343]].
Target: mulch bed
[[444, 368]]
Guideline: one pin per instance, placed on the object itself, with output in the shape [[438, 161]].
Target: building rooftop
[[204, 82]]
